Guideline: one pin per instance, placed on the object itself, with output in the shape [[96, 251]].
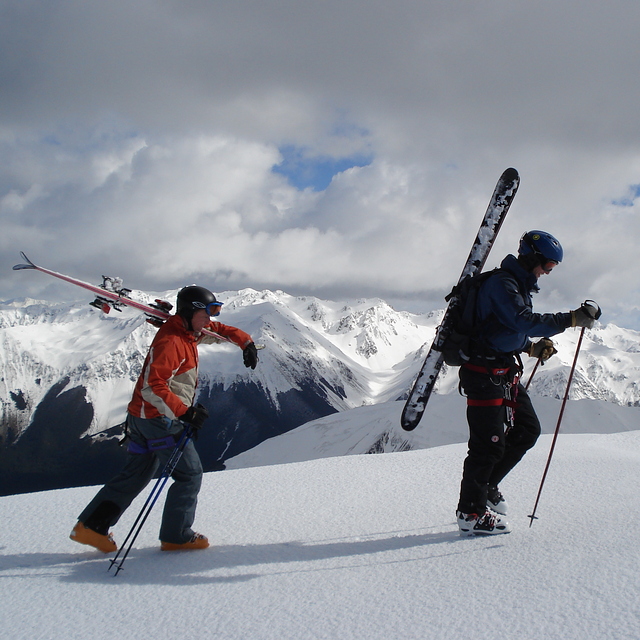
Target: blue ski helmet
[[542, 245]]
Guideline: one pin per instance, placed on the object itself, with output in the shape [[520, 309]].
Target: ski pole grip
[[591, 308]]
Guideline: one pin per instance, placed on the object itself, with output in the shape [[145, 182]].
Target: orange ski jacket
[[169, 377]]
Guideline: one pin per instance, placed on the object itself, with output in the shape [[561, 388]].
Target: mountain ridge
[[320, 357]]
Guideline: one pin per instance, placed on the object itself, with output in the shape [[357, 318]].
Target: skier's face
[[545, 268], [200, 320]]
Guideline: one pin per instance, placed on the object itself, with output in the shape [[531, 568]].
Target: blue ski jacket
[[504, 310]]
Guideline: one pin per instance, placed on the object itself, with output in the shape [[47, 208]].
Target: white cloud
[[140, 139]]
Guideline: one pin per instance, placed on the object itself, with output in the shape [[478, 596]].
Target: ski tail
[[421, 392]]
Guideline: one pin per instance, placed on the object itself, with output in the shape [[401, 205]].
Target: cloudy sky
[[323, 148]]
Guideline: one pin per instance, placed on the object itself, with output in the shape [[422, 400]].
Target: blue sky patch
[[629, 199], [303, 171]]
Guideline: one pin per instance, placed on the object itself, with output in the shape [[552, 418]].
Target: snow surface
[[330, 546], [355, 547]]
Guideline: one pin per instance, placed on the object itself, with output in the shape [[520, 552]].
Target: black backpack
[[461, 318]]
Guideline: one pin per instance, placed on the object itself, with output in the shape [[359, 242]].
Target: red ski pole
[[535, 368], [593, 310]]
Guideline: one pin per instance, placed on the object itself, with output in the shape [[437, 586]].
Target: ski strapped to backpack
[[494, 216], [456, 348]]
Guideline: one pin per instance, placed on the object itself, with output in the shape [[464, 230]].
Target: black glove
[[586, 315], [250, 355], [542, 349], [195, 416]]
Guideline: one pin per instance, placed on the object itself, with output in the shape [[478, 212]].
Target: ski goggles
[[548, 266], [213, 308]]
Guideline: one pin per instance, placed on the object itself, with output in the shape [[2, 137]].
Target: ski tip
[[510, 174], [28, 265], [408, 426]]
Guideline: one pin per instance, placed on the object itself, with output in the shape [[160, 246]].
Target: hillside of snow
[[376, 429], [349, 548]]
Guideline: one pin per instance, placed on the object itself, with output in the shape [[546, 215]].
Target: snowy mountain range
[[67, 372]]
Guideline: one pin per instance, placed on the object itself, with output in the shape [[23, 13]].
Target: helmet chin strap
[[187, 321], [530, 260]]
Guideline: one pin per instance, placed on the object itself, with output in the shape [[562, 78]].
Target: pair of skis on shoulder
[[111, 295]]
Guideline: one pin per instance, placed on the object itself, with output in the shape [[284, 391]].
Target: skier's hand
[[250, 355], [586, 315], [195, 416], [543, 349]]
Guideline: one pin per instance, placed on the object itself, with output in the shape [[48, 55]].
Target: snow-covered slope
[[376, 429], [350, 548]]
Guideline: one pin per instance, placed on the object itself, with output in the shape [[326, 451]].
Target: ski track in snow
[[355, 547]]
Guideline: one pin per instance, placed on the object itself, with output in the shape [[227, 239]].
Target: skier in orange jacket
[[162, 402]]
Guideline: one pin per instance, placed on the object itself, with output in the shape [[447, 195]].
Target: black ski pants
[[494, 447]]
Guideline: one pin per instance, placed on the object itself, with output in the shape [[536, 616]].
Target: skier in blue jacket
[[505, 322]]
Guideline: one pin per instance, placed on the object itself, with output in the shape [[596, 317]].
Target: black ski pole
[[589, 305], [168, 469]]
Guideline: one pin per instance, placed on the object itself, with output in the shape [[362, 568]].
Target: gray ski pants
[[182, 497]]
